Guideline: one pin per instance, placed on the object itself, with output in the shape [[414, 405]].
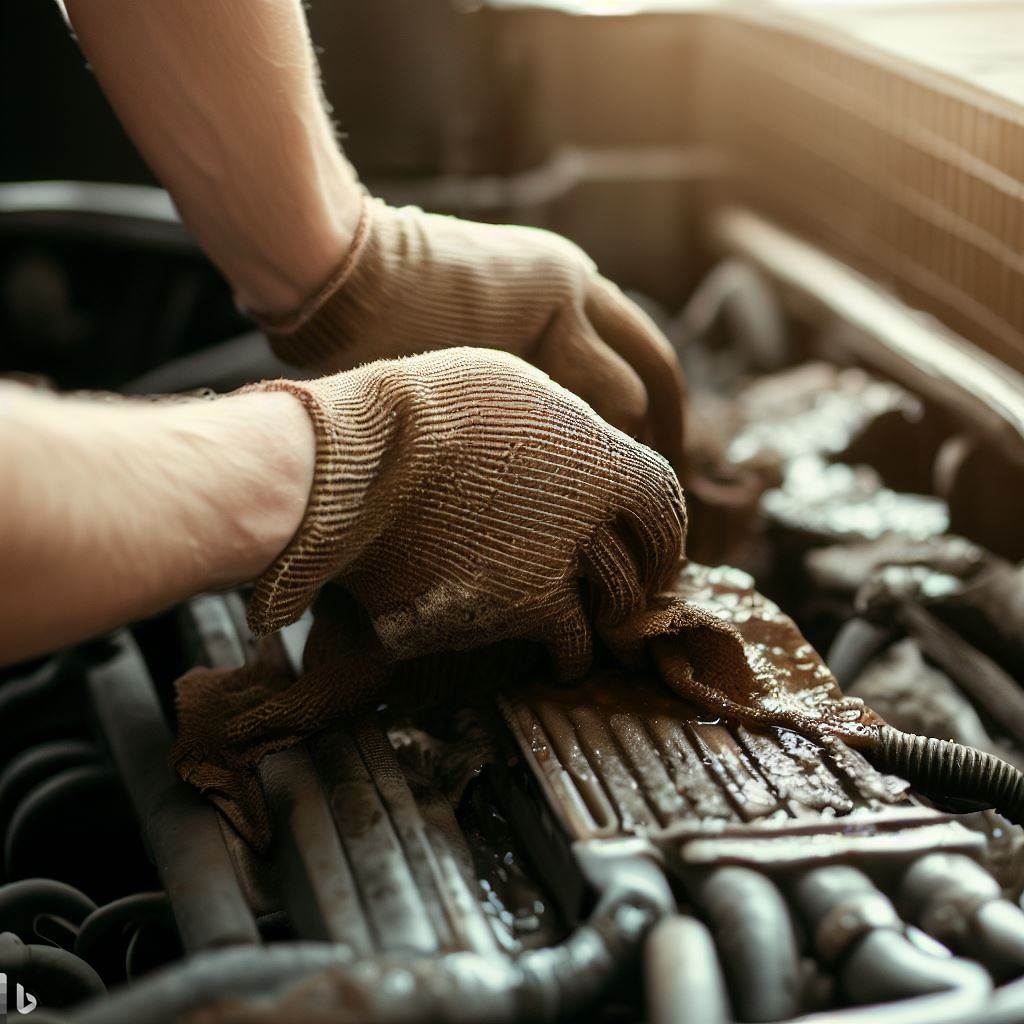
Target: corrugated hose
[[946, 771]]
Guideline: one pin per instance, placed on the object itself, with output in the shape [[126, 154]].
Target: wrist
[[256, 480], [314, 232]]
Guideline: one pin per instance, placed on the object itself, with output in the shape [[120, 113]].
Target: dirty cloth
[[713, 639]]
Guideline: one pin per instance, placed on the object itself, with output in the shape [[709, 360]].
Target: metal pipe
[[755, 939], [856, 930], [985, 394], [180, 827], [954, 899], [683, 975], [541, 986]]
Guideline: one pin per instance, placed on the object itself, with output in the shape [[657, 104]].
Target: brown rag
[[715, 640]]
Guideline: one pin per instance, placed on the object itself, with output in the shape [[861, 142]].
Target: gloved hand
[[415, 282], [461, 497]]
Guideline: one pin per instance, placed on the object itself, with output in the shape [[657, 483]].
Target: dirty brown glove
[[416, 282], [461, 497]]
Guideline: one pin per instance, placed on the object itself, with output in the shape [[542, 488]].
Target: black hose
[[944, 771], [24, 902], [58, 977]]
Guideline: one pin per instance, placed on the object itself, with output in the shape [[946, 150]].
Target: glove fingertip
[[570, 644]]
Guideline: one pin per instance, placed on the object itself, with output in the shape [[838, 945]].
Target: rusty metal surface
[[622, 756]]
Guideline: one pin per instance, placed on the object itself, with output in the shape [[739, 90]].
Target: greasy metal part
[[212, 636], [180, 827], [823, 502], [975, 672], [987, 395], [817, 409], [543, 985], [856, 643], [683, 975], [736, 293], [946, 770], [887, 967], [955, 900], [246, 970], [914, 696], [409, 878], [854, 927], [755, 940], [1006, 1005], [360, 864], [362, 861], [622, 755], [317, 887]]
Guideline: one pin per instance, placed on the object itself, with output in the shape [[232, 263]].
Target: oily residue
[[623, 755]]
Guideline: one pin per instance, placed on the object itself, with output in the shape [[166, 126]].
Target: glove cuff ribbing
[[312, 334]]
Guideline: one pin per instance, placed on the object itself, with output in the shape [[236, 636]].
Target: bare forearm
[[114, 511], [223, 100]]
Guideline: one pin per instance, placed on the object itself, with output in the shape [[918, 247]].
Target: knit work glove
[[462, 498], [415, 282]]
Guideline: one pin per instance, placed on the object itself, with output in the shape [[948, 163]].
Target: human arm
[[224, 102], [461, 497], [113, 511]]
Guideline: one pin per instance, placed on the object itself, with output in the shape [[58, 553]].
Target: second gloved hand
[[415, 282], [464, 498]]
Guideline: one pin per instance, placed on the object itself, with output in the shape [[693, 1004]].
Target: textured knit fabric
[[229, 719], [415, 282], [462, 497], [711, 637]]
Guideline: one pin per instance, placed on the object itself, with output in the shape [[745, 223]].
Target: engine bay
[[515, 850], [512, 847]]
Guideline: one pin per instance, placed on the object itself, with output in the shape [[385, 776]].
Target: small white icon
[[24, 1002]]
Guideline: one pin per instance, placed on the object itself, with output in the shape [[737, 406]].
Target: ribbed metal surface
[[362, 862], [622, 755]]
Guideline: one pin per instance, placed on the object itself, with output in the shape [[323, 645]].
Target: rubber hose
[[24, 901], [942, 769], [58, 977]]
